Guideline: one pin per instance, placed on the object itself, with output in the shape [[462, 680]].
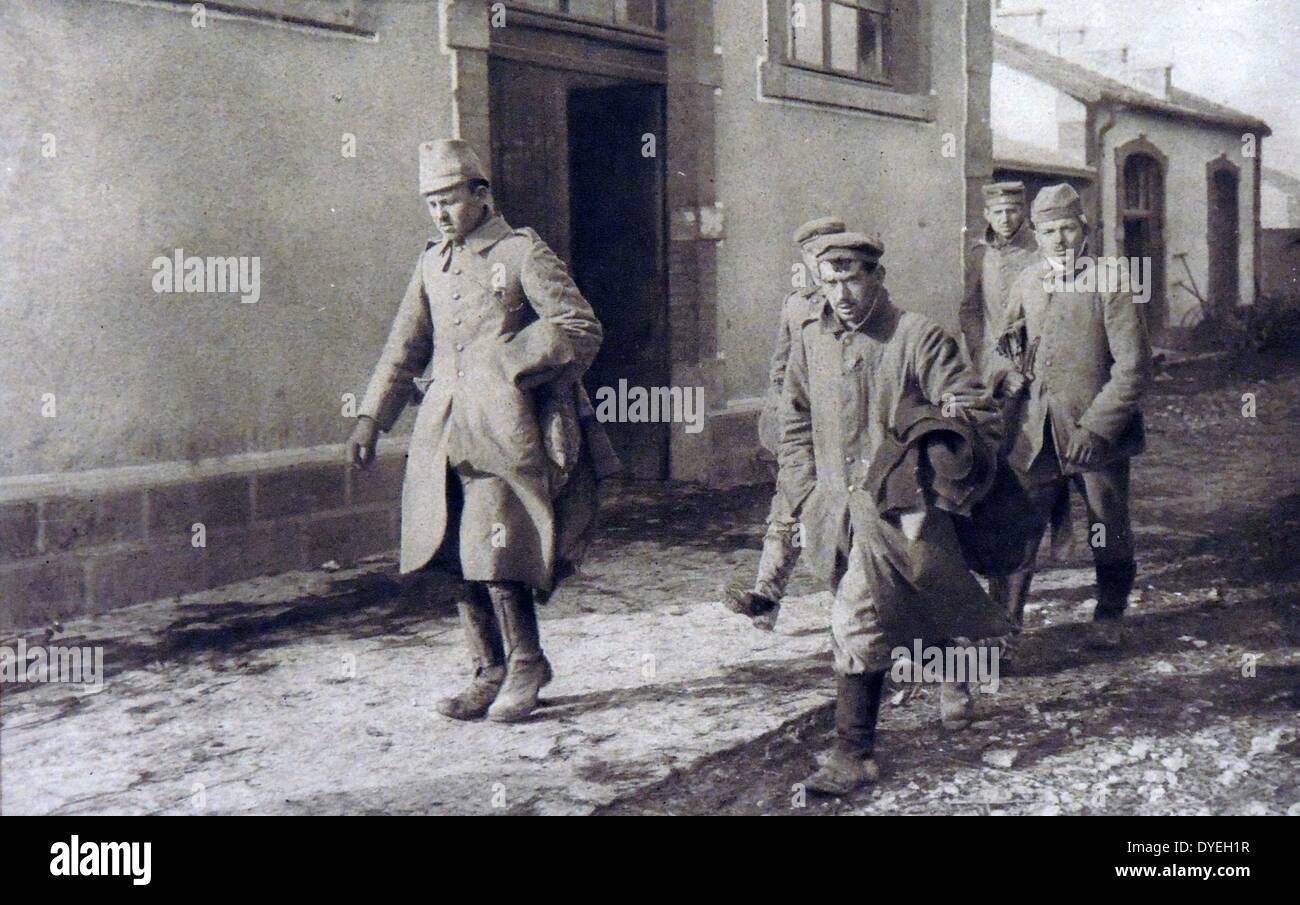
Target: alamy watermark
[[1084, 273], [973, 663], [39, 664], [651, 405], [179, 273]]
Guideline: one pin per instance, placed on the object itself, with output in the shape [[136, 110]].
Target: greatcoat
[[992, 268], [793, 312], [901, 576], [504, 332]]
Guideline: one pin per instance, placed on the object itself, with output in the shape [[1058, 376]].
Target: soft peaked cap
[[1004, 193], [822, 226], [447, 163], [1056, 202]]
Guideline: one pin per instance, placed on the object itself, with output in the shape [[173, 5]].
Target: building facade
[[166, 435], [1165, 174]]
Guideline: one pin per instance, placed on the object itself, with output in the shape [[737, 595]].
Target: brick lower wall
[[67, 550]]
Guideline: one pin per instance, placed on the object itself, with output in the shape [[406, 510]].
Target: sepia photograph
[[650, 408]]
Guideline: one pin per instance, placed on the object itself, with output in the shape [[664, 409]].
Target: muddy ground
[[1195, 712], [312, 692]]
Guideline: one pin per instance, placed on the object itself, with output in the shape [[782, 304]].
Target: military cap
[[1056, 202], [1004, 193], [822, 226], [447, 163], [846, 244]]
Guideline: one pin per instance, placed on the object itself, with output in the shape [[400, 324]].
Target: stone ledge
[[80, 545]]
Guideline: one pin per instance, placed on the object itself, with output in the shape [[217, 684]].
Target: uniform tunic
[[1091, 370], [498, 321], [994, 265], [895, 579]]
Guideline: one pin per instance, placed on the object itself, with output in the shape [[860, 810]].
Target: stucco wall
[[781, 163], [225, 140], [1189, 148]]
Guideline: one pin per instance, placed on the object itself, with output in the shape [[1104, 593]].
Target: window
[[844, 36], [871, 55], [635, 13], [1140, 170]]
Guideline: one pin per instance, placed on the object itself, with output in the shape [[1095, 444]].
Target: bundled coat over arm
[[499, 324]]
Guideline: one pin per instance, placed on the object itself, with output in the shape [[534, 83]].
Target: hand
[[1014, 384], [1086, 448], [1010, 343], [360, 448]]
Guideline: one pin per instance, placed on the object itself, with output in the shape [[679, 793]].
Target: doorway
[[616, 235], [1224, 237], [569, 159]]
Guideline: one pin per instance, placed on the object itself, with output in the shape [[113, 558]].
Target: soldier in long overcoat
[[781, 547], [856, 366], [1081, 418], [498, 444], [995, 261]]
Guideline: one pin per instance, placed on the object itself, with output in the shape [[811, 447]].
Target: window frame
[[880, 9], [781, 76]]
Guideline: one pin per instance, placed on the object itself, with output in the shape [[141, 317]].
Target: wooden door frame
[[692, 72], [1221, 164]]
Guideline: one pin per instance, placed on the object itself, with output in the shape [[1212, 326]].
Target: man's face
[[457, 210], [1057, 238], [850, 286], [1005, 217]]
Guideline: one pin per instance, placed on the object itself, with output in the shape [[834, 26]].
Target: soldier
[[1007, 248], [857, 367], [1080, 421], [780, 542], [498, 470]]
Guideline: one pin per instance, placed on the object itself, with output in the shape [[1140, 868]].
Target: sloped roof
[[1284, 181], [1010, 154], [1090, 86]]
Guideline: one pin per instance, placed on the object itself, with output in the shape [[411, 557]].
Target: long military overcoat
[[845, 390], [793, 312], [992, 268], [497, 321]]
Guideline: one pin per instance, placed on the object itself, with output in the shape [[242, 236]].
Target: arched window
[[1141, 186]]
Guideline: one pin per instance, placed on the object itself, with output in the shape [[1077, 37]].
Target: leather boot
[[1114, 582], [749, 603], [527, 669], [1012, 592], [849, 765], [483, 639]]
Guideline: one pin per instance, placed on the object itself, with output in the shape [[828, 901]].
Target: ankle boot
[[527, 669], [1114, 582], [1012, 592], [748, 603], [849, 764], [483, 639]]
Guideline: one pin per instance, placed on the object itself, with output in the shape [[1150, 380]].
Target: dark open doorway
[[1224, 237], [616, 231], [568, 160]]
